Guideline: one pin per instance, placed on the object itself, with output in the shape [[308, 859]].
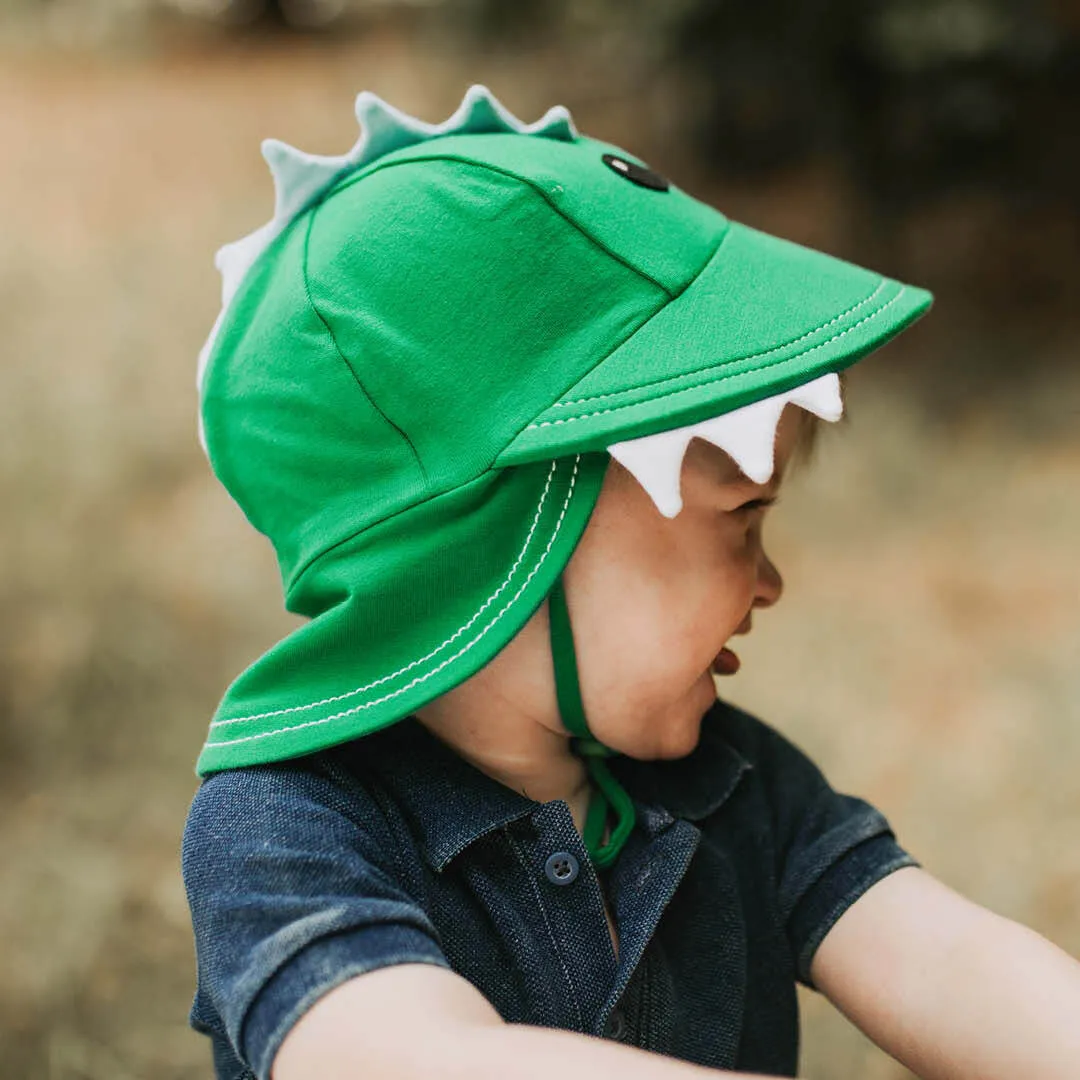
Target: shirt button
[[615, 1028], [561, 868]]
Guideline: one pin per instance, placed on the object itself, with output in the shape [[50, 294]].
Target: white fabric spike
[[822, 397], [655, 464], [300, 178], [748, 435]]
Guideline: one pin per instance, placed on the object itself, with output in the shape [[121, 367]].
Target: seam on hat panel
[[344, 359], [439, 648], [634, 330], [697, 371], [429, 497], [719, 378], [532, 185], [641, 326]]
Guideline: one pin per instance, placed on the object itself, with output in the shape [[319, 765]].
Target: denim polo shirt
[[392, 849]]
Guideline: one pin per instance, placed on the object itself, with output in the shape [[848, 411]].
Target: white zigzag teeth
[[300, 178], [654, 460], [821, 397], [747, 435]]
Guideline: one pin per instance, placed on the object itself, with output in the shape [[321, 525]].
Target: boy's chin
[[676, 739], [671, 751], [668, 734]]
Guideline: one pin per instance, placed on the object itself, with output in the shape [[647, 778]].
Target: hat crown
[[404, 328]]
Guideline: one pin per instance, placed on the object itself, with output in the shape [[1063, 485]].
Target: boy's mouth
[[725, 662]]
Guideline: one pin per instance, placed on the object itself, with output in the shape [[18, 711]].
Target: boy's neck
[[504, 721], [526, 757]]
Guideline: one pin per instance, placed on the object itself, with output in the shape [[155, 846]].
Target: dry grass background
[[926, 653]]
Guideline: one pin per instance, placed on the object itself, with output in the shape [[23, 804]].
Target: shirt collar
[[453, 804]]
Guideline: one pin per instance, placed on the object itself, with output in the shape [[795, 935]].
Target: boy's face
[[653, 601]]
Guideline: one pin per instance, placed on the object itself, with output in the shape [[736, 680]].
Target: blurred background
[[927, 650]]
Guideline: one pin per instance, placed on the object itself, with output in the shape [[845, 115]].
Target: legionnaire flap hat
[[424, 363]]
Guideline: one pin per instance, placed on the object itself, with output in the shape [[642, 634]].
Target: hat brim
[[763, 316]]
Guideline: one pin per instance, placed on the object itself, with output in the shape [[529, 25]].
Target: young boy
[[512, 409]]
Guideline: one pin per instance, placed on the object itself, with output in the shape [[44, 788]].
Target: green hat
[[421, 363]]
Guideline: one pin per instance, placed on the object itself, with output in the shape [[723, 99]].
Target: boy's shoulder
[[312, 800]]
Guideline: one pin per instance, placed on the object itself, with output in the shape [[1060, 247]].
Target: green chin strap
[[608, 794]]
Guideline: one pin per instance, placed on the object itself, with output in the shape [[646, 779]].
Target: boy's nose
[[770, 585]]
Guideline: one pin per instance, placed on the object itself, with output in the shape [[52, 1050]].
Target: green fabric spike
[[608, 794]]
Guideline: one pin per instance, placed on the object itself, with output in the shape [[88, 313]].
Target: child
[[512, 409]]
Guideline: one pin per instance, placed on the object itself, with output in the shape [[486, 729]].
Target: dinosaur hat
[[425, 362]]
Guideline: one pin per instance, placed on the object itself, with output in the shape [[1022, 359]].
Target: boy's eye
[[755, 504]]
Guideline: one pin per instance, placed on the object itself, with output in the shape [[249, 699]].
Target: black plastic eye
[[640, 175]]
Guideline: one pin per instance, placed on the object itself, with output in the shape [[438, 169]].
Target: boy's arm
[[952, 990], [416, 1021]]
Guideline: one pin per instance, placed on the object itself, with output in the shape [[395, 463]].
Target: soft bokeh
[[926, 652]]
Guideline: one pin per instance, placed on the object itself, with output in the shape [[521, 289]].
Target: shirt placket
[[643, 881], [568, 905]]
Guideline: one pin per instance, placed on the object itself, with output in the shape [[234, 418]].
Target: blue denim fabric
[[393, 849]]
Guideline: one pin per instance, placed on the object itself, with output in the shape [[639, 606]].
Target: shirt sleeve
[[293, 890], [830, 847]]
